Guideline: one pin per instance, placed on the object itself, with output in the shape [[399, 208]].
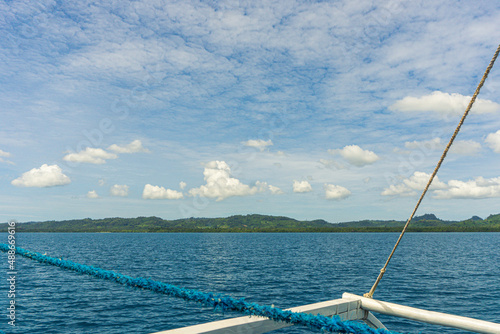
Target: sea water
[[457, 273]]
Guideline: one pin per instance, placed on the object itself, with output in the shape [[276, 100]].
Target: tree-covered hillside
[[256, 223], [237, 223]]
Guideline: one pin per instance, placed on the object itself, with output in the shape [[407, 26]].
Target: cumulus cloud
[[477, 188], [133, 147], [472, 189], [263, 186], [356, 156], [45, 176], [301, 186], [182, 185], [92, 194], [90, 155], [493, 141], [275, 190], [258, 143], [336, 192], [119, 190], [99, 156], [220, 184], [157, 192], [413, 184], [444, 103]]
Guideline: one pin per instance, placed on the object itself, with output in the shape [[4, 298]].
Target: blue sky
[[332, 109]]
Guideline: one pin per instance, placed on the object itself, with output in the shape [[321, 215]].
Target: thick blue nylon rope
[[217, 301]]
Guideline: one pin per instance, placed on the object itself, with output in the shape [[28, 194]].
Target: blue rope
[[217, 301]]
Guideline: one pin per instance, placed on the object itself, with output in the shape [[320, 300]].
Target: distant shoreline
[[255, 223], [268, 232]]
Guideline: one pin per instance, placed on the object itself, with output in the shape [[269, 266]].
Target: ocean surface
[[457, 273]]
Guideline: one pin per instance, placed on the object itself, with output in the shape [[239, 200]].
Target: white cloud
[[336, 192], [398, 190], [477, 188], [119, 190], [275, 190], [7, 161], [92, 194], [102, 182], [356, 156], [91, 156], [493, 141], [412, 185], [444, 103], [220, 184], [45, 176], [156, 192], [301, 186], [4, 154], [263, 186], [133, 147], [258, 143], [182, 185]]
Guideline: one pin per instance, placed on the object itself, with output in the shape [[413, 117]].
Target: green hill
[[237, 223], [492, 222], [256, 223], [426, 220]]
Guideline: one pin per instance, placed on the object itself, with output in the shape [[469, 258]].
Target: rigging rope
[[217, 301], [473, 99]]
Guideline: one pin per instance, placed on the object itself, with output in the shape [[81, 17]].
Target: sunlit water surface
[[457, 273]]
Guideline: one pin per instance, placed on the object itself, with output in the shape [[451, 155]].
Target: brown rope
[[382, 271]]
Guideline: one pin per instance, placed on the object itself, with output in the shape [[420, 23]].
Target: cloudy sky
[[309, 109]]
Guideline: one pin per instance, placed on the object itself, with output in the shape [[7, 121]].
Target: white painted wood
[[350, 307], [372, 321], [346, 309], [436, 318]]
